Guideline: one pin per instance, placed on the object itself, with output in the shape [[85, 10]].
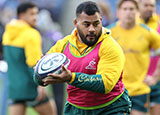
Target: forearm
[[88, 82]]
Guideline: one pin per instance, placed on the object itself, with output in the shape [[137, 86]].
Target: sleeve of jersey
[[33, 49], [88, 82], [109, 69]]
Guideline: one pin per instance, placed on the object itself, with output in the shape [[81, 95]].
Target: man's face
[[89, 28], [146, 8], [127, 12], [30, 16]]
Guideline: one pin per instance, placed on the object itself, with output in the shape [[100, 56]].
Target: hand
[[65, 76], [150, 80], [41, 93]]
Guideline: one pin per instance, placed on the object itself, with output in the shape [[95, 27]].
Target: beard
[[84, 38]]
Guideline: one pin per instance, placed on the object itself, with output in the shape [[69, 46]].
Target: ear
[[75, 22], [101, 18], [21, 16]]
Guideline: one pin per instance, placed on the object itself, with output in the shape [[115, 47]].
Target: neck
[[146, 20], [127, 25], [79, 38]]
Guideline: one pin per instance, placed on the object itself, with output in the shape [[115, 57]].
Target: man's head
[[146, 8], [88, 23], [28, 12], [127, 10]]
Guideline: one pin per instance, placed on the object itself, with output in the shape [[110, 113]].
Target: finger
[[48, 82], [52, 75], [55, 76], [63, 67], [53, 80]]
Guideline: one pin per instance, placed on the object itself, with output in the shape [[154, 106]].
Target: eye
[[152, 5], [124, 8], [96, 24], [86, 24], [131, 9], [146, 5]]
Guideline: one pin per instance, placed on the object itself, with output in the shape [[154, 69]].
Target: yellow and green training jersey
[[136, 44], [22, 49], [111, 61]]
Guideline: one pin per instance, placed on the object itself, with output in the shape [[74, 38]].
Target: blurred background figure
[[106, 13], [148, 16], [22, 49], [136, 39]]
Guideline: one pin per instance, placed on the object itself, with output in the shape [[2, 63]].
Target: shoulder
[[156, 17], [31, 33], [60, 45], [111, 49], [145, 27], [149, 32]]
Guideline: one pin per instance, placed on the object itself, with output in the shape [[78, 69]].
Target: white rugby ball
[[50, 63]]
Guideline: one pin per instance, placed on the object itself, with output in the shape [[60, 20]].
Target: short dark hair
[[23, 7], [122, 1], [89, 7]]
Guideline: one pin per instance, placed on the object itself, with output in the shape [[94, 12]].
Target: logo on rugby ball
[[51, 62]]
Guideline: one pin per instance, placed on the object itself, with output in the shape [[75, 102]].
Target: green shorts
[[121, 106], [140, 103], [28, 103], [155, 94]]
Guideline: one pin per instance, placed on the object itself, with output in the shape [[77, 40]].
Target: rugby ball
[[50, 63]]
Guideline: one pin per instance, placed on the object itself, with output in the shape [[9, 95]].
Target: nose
[[91, 28], [150, 8]]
